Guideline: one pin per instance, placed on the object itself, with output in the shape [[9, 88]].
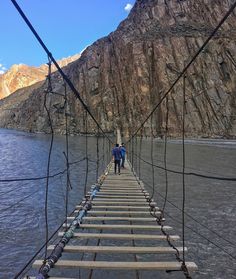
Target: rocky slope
[[20, 76], [122, 76]]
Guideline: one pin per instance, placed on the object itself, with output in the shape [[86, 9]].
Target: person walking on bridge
[[123, 152], [116, 154]]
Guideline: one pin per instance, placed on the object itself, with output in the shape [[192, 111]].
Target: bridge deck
[[122, 225]]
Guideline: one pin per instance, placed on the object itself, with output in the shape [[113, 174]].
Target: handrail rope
[[12, 190], [21, 200], [86, 153], [152, 159], [40, 249], [97, 161], [187, 214], [188, 173], [103, 152], [165, 156], [140, 152], [25, 198], [68, 183], [65, 77], [29, 262], [192, 218], [42, 177], [187, 167], [195, 220], [47, 91], [159, 218], [201, 235], [184, 267], [225, 17], [159, 221]]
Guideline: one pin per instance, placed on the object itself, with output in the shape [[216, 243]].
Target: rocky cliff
[[20, 76], [122, 76]]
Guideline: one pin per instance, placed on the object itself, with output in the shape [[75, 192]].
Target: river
[[210, 203]]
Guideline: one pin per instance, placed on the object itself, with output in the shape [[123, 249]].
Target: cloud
[[128, 7], [2, 69]]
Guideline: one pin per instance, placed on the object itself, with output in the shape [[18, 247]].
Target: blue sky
[[66, 26]]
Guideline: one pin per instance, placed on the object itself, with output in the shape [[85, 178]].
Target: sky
[[66, 27]]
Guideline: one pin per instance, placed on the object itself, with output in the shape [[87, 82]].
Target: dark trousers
[[117, 164], [123, 161]]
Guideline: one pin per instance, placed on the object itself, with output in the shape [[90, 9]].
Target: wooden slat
[[121, 236], [120, 192], [109, 196], [121, 199], [114, 218], [124, 227], [125, 207], [120, 265], [123, 192], [106, 218], [122, 202], [124, 176], [93, 212], [125, 186], [30, 277], [122, 185], [120, 249]]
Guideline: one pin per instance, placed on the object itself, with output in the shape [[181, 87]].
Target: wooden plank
[[114, 218], [117, 196], [30, 277], [121, 184], [121, 199], [119, 249], [96, 202], [125, 207], [121, 189], [121, 236], [123, 180], [127, 187], [93, 212], [125, 183], [121, 192], [123, 226], [120, 265]]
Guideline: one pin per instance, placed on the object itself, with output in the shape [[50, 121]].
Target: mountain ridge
[[123, 75], [22, 75]]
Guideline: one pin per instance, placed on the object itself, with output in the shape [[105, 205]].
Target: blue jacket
[[116, 153], [123, 151]]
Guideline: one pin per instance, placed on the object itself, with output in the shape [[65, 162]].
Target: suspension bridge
[[118, 225], [116, 208]]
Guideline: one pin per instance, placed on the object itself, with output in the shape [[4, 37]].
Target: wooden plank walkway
[[121, 211]]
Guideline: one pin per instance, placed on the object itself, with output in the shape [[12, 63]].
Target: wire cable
[[48, 90], [64, 76], [189, 173], [194, 219], [39, 250]]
